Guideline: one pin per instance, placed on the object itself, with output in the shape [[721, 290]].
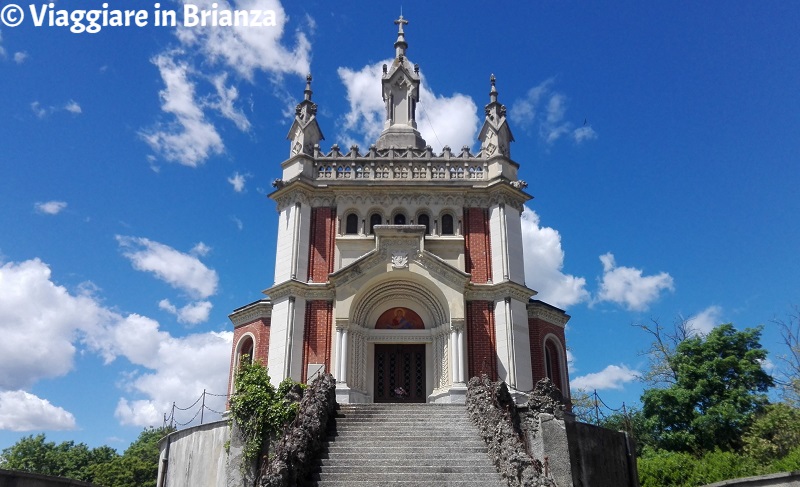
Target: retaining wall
[[198, 457], [15, 478], [785, 479]]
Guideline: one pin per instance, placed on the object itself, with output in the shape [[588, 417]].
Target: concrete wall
[[14, 478], [600, 457], [198, 457], [786, 479]]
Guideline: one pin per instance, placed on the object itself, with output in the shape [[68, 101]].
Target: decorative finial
[[308, 91], [493, 92], [400, 22], [400, 44]]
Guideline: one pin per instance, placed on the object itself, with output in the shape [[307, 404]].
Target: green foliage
[[258, 409], [719, 386], [137, 467], [67, 459], [789, 463], [774, 433], [658, 468]]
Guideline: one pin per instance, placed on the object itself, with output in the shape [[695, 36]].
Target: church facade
[[400, 270]]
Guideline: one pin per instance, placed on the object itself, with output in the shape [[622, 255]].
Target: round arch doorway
[[399, 368]]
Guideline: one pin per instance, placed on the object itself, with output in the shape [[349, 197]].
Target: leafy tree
[[67, 459], [774, 433], [790, 370], [719, 385], [138, 465]]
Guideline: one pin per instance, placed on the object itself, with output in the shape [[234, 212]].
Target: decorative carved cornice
[[254, 311], [550, 314], [308, 291], [498, 292], [401, 336]]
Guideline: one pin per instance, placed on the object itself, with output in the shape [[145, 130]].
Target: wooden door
[[399, 373]]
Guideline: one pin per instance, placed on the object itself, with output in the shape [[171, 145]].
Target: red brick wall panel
[[321, 243], [317, 335], [537, 330], [481, 346], [260, 330], [477, 244]]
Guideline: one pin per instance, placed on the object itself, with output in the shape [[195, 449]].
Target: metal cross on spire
[[400, 22]]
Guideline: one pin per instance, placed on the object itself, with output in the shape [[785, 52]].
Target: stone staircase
[[405, 445]]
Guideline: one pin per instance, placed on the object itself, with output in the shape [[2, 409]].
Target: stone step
[[469, 459], [389, 451], [453, 442], [368, 470], [437, 478], [407, 483], [404, 445]]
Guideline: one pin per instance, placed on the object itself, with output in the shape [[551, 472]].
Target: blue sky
[[660, 141]]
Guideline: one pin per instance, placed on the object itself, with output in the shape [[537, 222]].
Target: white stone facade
[[365, 232]]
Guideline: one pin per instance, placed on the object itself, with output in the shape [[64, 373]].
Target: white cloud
[[192, 313], [544, 261], [181, 271], [705, 321], [181, 369], [22, 411], [73, 107], [239, 223], [247, 49], [191, 139], [20, 57], [627, 286], [2, 49], [545, 109], [166, 368], [582, 134], [237, 181], [227, 95], [39, 110], [200, 249], [441, 120], [612, 377], [31, 305], [50, 207]]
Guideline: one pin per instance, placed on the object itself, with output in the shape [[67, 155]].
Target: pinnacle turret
[[495, 136], [400, 87]]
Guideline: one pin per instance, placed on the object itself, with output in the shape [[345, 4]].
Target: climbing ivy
[[258, 409]]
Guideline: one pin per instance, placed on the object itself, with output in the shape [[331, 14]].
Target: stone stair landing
[[405, 445]]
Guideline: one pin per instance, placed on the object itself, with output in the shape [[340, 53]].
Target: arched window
[[351, 224], [399, 219], [245, 354], [375, 219], [425, 220], [552, 363], [447, 224]]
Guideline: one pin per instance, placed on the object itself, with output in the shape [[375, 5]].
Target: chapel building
[[400, 270]]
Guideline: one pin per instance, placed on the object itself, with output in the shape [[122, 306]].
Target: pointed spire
[[495, 136], [308, 91], [305, 131], [400, 44]]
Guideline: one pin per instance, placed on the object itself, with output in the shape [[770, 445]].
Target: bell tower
[[400, 86]]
